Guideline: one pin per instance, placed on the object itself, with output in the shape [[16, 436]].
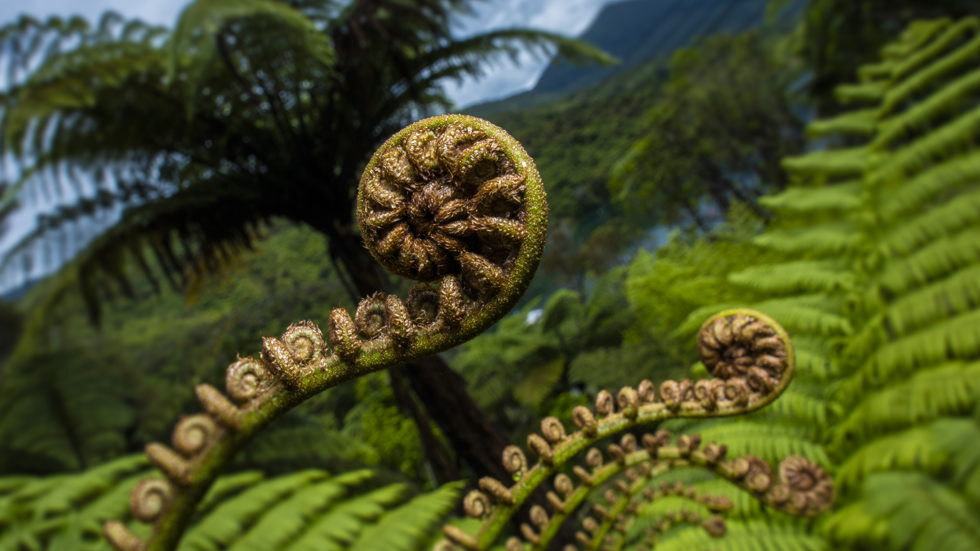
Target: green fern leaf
[[409, 526]]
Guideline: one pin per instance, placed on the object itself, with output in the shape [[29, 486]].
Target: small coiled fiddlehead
[[452, 202], [752, 362]]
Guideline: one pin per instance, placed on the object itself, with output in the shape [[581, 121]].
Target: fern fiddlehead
[[752, 360], [452, 201]]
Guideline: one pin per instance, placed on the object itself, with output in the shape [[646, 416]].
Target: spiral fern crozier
[[752, 362], [452, 202]]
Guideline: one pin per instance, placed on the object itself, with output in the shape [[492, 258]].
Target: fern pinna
[[454, 200], [907, 225], [301, 511], [877, 237]]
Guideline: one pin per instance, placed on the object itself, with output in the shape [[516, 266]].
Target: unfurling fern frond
[[450, 199], [752, 361]]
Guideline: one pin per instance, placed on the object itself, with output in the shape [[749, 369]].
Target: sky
[[569, 17], [502, 79]]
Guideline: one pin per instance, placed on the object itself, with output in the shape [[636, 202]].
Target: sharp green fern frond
[[830, 238], [795, 277], [941, 391], [936, 260], [922, 513], [838, 197], [914, 449], [841, 163], [862, 123], [935, 302], [941, 221], [244, 511]]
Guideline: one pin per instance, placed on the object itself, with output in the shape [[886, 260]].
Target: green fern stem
[[752, 359], [450, 199]]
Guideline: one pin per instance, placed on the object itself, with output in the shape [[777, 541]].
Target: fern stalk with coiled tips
[[431, 166]]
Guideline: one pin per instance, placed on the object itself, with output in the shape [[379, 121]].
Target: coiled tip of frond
[[120, 537], [746, 346], [811, 490], [451, 196], [476, 504], [343, 334], [150, 499], [245, 378], [514, 461]]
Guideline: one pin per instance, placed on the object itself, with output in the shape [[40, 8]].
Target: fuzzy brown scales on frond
[[445, 201], [752, 360], [450, 200]]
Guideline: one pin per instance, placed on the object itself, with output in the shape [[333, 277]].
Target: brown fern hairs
[[452, 202], [751, 359]]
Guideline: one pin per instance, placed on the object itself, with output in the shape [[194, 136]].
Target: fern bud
[[452, 309], [646, 392], [812, 489], [245, 379], [628, 401], [671, 394], [514, 544], [650, 444], [514, 461], [305, 343], [194, 433], [622, 487], [604, 404], [714, 526], [150, 498], [540, 448], [759, 380], [717, 503], [644, 469], [616, 453], [704, 393], [400, 325], [583, 539], [564, 485], [601, 511], [495, 488], [169, 462], [423, 305], [538, 516], [590, 524], [343, 335], [215, 403], [632, 475], [371, 318], [583, 475], [687, 443], [553, 430], [556, 502], [460, 537], [737, 391], [628, 443], [744, 344], [714, 453], [277, 357], [583, 419], [120, 537], [476, 504], [593, 458]]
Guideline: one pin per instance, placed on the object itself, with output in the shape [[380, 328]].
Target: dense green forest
[[830, 191]]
